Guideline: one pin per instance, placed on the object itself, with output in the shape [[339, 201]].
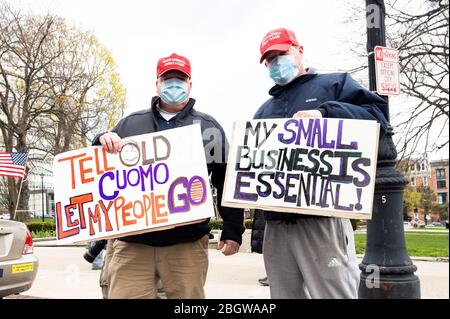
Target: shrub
[[216, 224], [41, 226], [249, 224], [355, 223]]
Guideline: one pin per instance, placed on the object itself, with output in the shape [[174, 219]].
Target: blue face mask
[[174, 91], [282, 69]]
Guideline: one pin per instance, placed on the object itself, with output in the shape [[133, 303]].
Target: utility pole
[[387, 272]]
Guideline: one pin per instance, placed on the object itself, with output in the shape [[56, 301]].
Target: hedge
[[218, 224], [214, 224], [41, 226]]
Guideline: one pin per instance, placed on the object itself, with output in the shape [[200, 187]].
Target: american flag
[[13, 164]]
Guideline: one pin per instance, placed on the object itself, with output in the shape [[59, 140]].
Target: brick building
[[439, 181], [432, 174]]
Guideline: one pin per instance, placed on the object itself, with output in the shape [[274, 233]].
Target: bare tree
[[420, 33], [57, 86], [419, 29]]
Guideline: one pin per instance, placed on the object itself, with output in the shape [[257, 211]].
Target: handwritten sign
[[157, 181], [307, 166]]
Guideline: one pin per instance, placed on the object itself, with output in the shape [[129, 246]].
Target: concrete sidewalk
[[63, 273]]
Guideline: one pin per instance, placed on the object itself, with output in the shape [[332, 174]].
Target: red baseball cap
[[173, 62], [277, 40]]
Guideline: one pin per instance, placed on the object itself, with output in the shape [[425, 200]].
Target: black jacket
[[335, 95], [259, 225], [147, 121]]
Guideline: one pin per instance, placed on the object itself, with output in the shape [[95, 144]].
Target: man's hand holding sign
[[308, 113], [111, 142]]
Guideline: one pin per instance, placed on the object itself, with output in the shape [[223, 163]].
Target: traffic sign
[[387, 69]]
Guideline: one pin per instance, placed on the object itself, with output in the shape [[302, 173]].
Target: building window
[[413, 181], [440, 173], [418, 167], [441, 184], [442, 198], [423, 166], [425, 181]]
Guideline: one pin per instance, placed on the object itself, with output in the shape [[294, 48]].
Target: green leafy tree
[[441, 210], [428, 199], [411, 199]]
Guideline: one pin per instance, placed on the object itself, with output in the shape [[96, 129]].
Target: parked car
[[418, 223], [18, 264], [435, 224]]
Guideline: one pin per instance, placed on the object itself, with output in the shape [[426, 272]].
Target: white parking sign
[[387, 71]]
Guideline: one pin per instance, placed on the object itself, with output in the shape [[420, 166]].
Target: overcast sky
[[221, 39]]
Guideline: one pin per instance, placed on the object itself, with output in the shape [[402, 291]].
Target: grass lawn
[[43, 234], [420, 244]]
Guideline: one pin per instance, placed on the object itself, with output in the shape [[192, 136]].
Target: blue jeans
[[98, 261]]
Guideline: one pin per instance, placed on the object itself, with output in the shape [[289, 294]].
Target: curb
[[420, 258], [51, 242], [36, 240]]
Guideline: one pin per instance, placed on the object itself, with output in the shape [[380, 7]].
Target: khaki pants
[[182, 268], [104, 278]]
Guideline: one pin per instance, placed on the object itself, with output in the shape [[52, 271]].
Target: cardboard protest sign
[[157, 181], [308, 166]]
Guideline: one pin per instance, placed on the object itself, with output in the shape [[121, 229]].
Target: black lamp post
[[386, 270], [42, 196]]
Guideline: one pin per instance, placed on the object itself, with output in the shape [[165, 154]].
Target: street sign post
[[387, 271], [387, 71]]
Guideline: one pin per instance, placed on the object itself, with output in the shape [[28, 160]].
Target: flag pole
[[20, 189]]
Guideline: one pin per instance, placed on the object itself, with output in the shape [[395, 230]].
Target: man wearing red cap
[[179, 256], [307, 256]]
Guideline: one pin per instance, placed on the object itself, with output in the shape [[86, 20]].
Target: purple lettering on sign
[[238, 194], [326, 144], [337, 205], [340, 145], [184, 207]]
